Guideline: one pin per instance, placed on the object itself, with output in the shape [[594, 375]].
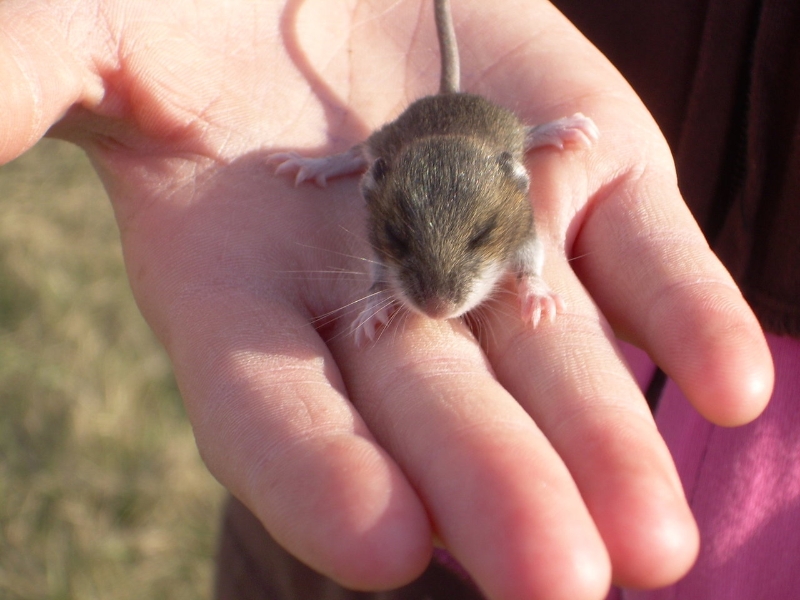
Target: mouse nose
[[438, 308]]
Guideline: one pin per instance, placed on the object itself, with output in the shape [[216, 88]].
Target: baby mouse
[[447, 198]]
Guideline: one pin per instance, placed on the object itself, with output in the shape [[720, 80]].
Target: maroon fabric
[[722, 78], [252, 566]]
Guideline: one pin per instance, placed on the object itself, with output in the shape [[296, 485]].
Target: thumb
[[46, 67]]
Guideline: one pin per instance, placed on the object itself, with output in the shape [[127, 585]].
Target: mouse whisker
[[365, 243], [383, 252], [337, 253], [354, 235], [333, 273], [331, 316], [573, 258], [500, 297], [319, 318], [386, 299], [402, 314], [500, 306], [497, 303], [392, 318], [478, 325]]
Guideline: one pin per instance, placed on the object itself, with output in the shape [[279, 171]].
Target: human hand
[[534, 457]]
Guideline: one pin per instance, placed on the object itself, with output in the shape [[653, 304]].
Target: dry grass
[[102, 492]]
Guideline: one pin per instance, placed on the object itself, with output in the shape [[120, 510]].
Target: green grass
[[102, 492]]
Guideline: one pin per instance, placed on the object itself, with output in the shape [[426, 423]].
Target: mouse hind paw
[[318, 169]]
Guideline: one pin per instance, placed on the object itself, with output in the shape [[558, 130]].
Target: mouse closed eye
[[483, 235], [447, 200], [397, 241]]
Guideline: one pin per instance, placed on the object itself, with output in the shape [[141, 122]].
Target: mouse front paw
[[366, 325], [320, 169], [578, 130], [537, 300], [306, 168]]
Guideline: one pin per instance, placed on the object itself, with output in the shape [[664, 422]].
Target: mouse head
[[445, 218]]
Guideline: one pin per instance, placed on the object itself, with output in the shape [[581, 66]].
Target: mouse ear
[[515, 170], [374, 177]]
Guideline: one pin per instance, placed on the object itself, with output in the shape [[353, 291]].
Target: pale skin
[[534, 460]]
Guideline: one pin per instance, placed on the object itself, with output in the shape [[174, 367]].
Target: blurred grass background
[[102, 492]]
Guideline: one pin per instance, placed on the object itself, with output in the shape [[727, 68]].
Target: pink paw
[[319, 170], [369, 321], [577, 130], [315, 169], [538, 301]]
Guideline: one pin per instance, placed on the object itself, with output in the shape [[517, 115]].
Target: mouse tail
[[450, 82]]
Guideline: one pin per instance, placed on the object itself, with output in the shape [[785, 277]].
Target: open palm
[[531, 455]]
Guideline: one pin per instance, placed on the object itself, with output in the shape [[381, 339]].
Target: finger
[[638, 251], [268, 406], [274, 426], [572, 380], [499, 496], [647, 265], [43, 67]]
